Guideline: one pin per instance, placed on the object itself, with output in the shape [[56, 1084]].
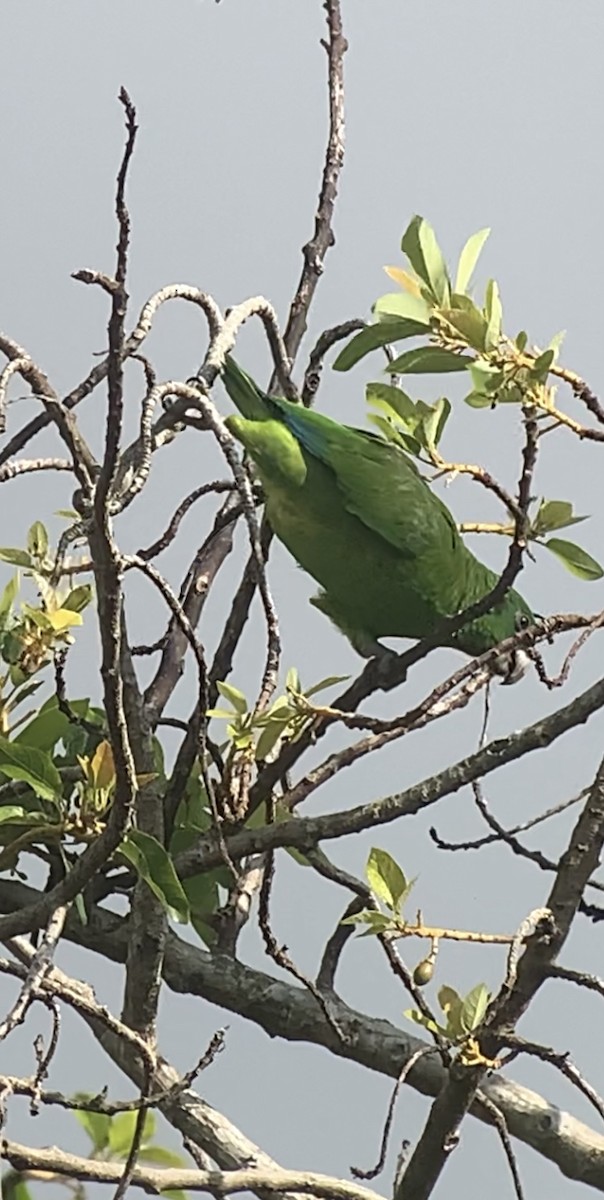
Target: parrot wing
[[378, 482]]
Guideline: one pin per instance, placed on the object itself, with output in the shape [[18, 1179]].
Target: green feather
[[356, 514]]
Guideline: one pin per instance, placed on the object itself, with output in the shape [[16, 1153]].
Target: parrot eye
[[522, 621]]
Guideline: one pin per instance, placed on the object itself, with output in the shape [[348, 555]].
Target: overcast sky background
[[471, 114]]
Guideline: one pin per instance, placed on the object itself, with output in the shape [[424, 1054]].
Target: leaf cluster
[[287, 717], [31, 633], [457, 334], [389, 887], [462, 1015], [111, 1138]]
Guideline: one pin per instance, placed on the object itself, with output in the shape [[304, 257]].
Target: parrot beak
[[513, 666]]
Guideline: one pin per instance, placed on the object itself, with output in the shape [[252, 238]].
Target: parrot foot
[[387, 676], [369, 647]]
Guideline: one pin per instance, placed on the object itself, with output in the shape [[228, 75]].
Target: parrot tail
[[245, 394]]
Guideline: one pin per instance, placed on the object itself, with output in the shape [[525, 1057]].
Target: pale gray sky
[[472, 114]]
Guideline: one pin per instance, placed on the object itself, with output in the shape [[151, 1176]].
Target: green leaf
[[468, 259], [269, 737], [241, 738], [14, 1187], [540, 368], [474, 1007], [386, 396], [485, 376], [8, 596], [451, 1003], [44, 731], [512, 393], [433, 423], [385, 878], [79, 902], [282, 708], [23, 693], [413, 1014], [428, 360], [32, 766], [12, 813], [391, 432], [323, 684], [554, 514], [461, 303], [37, 540], [22, 818], [39, 618], [193, 813], [154, 865], [17, 558], [400, 304], [577, 561], [202, 892], [383, 333], [494, 315], [556, 343], [122, 1130], [78, 598], [162, 1156], [50, 724], [376, 922], [234, 696], [292, 681], [478, 400], [204, 931], [469, 323], [421, 247], [97, 1125]]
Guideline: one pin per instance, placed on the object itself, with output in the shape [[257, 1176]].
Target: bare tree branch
[[152, 1179], [291, 1013]]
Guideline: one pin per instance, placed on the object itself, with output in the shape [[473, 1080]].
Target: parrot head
[[511, 667], [508, 617]]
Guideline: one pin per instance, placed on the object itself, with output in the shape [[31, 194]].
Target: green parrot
[[356, 514]]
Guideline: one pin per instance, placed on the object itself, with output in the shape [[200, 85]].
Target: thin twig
[[167, 537], [558, 1059], [314, 368], [356, 1172], [116, 333], [279, 953], [500, 1124], [39, 967], [524, 826]]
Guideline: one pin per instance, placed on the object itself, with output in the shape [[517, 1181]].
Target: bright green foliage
[[354, 511], [457, 334], [389, 887], [386, 880], [112, 1137], [30, 634], [559, 514], [153, 864], [462, 1014], [287, 716]]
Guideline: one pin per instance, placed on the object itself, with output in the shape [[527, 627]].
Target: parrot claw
[[512, 667], [369, 647]]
